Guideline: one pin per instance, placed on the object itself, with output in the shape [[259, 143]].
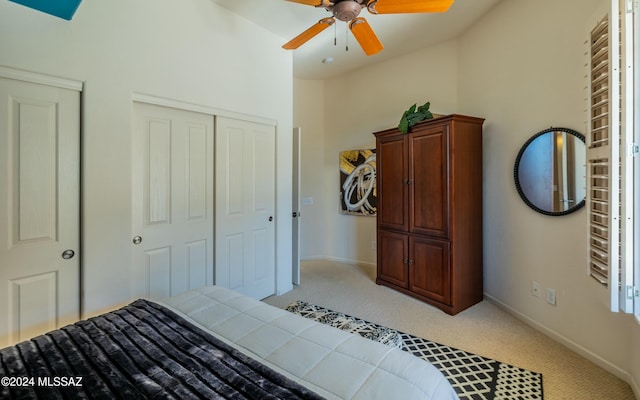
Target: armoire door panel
[[393, 212], [393, 258], [429, 177], [430, 271]]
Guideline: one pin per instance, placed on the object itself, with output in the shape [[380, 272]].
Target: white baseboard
[[312, 258], [586, 353], [338, 259]]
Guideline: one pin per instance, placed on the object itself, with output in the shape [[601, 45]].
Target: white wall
[[355, 106], [192, 51], [309, 113], [521, 68], [523, 83]]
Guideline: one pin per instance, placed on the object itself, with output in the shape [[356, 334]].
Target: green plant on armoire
[[412, 116]]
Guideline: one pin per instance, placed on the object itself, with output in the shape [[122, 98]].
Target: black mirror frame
[[517, 166]]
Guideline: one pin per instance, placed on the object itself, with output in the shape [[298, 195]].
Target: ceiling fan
[[349, 11]]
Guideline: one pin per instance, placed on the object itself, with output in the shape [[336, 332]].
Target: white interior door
[[172, 200], [245, 207], [296, 207], [39, 209]]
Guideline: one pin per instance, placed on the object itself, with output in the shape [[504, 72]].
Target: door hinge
[[632, 5], [634, 149], [632, 291]]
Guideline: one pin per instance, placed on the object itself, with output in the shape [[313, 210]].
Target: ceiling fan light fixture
[[346, 10]]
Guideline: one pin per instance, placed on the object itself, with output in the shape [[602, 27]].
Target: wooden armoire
[[429, 219]]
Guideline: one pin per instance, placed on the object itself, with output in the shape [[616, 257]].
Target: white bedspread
[[333, 363]]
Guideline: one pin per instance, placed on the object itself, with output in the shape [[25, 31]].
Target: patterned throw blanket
[[140, 351]]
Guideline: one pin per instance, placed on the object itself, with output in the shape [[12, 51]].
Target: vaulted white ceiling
[[400, 34]]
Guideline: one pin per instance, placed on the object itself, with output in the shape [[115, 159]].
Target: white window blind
[[599, 220], [610, 154]]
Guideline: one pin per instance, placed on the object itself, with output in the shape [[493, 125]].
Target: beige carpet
[[484, 329]]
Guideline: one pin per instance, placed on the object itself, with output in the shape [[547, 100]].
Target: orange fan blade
[[305, 36], [365, 36], [315, 3], [408, 6]]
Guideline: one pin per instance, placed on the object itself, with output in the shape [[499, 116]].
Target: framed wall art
[[358, 182]]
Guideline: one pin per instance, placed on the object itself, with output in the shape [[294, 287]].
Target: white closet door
[[245, 207], [39, 209], [172, 200]]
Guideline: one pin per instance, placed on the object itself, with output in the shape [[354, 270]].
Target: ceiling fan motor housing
[[346, 10]]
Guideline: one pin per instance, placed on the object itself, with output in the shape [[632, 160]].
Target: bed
[[212, 343]]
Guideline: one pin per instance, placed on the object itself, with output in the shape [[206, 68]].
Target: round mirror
[[550, 171]]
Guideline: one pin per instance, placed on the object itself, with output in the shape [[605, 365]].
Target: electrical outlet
[[551, 296], [535, 289], [374, 245]]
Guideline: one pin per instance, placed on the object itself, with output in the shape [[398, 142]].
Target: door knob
[[137, 240], [68, 254], [270, 218]]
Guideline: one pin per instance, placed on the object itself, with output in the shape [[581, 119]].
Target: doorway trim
[[33, 77]]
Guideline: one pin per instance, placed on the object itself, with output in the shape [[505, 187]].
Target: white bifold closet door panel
[[245, 207], [173, 212], [39, 208]]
